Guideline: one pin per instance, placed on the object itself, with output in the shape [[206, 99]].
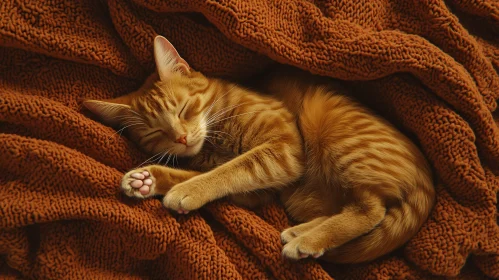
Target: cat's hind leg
[[354, 220], [291, 233]]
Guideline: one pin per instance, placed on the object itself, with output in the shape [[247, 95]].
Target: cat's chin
[[192, 150]]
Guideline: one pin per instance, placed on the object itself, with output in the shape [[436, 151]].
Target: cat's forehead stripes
[[139, 106], [155, 104], [146, 105], [165, 91]]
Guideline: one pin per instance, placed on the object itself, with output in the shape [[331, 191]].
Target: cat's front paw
[[184, 198], [288, 235], [303, 246], [138, 183]]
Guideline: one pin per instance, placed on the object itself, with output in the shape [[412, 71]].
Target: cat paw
[[138, 183], [303, 247], [184, 198], [288, 234]]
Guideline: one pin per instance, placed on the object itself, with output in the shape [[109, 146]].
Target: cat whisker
[[225, 110], [121, 131], [129, 119], [168, 160], [214, 102], [149, 159], [172, 156], [175, 158], [164, 154], [218, 132], [135, 113], [220, 112], [215, 137], [210, 124], [209, 136], [127, 125], [118, 107], [213, 120], [209, 141], [212, 139]]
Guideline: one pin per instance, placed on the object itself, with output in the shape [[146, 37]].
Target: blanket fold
[[429, 66]]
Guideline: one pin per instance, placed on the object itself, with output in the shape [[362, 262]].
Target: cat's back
[[346, 143], [362, 147]]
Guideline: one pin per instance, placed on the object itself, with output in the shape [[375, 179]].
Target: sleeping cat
[[239, 141], [361, 189]]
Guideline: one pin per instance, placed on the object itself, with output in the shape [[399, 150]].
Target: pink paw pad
[[142, 182], [182, 211]]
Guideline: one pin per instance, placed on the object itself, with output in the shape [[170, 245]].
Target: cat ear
[[167, 59], [111, 113]]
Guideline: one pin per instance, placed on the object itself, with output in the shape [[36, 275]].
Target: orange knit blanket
[[430, 65]]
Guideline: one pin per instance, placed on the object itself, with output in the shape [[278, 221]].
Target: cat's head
[[167, 113]]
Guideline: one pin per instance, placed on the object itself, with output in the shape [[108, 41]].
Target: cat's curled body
[[366, 188], [357, 186]]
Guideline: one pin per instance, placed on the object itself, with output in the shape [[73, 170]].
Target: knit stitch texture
[[430, 66]]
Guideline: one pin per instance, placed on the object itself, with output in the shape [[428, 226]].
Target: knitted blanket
[[430, 66]]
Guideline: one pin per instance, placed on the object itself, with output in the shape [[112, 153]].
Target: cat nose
[[182, 139]]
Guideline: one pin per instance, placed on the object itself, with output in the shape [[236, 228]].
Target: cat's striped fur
[[363, 189], [366, 190]]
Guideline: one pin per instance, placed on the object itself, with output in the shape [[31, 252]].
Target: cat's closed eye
[[182, 111], [157, 131]]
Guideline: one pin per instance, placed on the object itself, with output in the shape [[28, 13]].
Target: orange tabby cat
[[252, 140], [367, 189]]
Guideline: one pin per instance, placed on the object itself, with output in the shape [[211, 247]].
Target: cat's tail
[[399, 225]]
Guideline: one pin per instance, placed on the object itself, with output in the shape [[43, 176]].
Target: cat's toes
[[287, 235], [138, 183], [303, 247], [183, 199]]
